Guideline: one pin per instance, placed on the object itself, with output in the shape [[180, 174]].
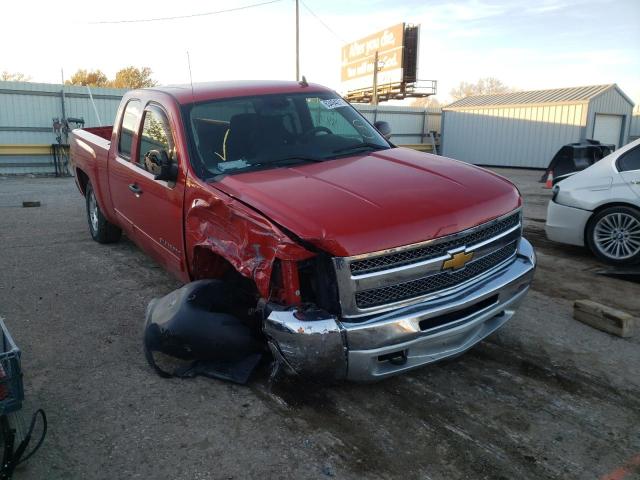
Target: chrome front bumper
[[319, 344]]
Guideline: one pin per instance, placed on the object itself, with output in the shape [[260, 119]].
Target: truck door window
[[211, 127], [128, 127], [155, 135]]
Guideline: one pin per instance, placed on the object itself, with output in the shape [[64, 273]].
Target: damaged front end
[[194, 323], [322, 314], [241, 263], [311, 341]]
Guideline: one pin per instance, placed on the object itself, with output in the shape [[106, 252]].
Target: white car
[[600, 207]]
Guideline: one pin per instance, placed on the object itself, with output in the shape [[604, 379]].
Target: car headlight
[[554, 191]]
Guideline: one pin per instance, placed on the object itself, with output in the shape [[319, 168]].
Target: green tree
[[484, 86], [93, 78], [6, 76], [132, 77]]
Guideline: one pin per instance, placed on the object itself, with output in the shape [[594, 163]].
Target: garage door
[[608, 128]]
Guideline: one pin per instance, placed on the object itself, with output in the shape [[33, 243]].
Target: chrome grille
[[406, 257], [381, 281], [433, 283]]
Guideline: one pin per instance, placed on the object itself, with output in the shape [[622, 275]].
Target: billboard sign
[[358, 58]]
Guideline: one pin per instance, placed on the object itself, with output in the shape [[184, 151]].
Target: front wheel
[[101, 230], [613, 235]]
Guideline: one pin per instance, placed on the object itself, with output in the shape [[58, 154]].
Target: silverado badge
[[457, 260]]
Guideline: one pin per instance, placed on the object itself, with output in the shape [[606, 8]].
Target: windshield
[[269, 131]]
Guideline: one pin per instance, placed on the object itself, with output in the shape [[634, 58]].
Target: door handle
[[135, 189]]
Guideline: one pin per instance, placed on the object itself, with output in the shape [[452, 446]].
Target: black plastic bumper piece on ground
[[191, 324]]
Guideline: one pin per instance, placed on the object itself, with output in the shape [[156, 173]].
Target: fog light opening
[[395, 358]]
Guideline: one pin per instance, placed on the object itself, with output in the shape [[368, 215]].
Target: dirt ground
[[546, 397]]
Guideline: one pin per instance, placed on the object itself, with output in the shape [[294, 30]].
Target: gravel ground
[[546, 397]]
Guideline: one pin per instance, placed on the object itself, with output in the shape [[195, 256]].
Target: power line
[[178, 17], [323, 24]]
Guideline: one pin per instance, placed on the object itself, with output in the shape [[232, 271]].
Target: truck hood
[[370, 202]]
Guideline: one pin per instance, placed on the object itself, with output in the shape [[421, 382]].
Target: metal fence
[[27, 112], [409, 125]]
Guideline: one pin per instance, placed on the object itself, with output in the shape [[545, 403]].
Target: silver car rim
[[617, 236], [93, 212]]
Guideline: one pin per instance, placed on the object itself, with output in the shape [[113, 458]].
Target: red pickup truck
[[361, 259]]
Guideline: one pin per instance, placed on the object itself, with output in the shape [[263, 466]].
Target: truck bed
[[104, 132], [97, 139], [89, 152]]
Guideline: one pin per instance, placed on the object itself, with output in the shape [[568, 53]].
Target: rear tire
[[613, 235], [102, 231]]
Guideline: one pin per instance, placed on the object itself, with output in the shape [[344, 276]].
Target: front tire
[[101, 230], [613, 235]]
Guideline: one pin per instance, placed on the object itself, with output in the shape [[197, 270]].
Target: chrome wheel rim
[[93, 212], [617, 236]]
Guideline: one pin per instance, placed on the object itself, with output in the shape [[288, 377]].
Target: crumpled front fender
[[238, 234]]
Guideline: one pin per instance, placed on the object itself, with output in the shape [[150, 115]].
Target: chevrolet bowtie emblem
[[457, 260]]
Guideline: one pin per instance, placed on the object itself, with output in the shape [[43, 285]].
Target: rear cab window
[[128, 127]]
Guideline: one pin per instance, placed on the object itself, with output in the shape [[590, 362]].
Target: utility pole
[[374, 96], [297, 41]]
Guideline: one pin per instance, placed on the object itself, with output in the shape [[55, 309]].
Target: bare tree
[[6, 76], [426, 102], [484, 86]]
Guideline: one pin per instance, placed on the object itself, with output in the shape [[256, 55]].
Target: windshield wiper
[[278, 162], [358, 146]]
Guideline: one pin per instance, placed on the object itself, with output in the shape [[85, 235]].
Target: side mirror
[[384, 128], [158, 163]]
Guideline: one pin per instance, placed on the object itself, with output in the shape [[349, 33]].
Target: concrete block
[[604, 318]]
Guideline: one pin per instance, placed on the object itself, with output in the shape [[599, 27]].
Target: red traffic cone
[[549, 183]]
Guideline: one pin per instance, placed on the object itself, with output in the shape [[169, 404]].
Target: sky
[[526, 44]]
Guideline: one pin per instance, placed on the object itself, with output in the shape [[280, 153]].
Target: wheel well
[[208, 264], [604, 207], [83, 179]]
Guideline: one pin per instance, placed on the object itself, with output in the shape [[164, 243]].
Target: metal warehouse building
[[526, 129]]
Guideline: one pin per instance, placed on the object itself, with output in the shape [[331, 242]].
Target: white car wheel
[[614, 235]]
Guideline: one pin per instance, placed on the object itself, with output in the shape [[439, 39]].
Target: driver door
[[157, 218]]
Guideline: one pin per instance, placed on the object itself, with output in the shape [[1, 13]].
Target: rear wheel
[[101, 230], [613, 235]]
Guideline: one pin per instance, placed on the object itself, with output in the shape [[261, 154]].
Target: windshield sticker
[[332, 103], [234, 165]]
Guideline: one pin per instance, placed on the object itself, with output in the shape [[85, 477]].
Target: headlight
[[554, 191]]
